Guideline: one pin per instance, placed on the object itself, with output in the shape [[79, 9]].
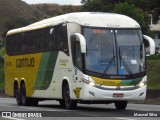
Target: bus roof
[[94, 19]]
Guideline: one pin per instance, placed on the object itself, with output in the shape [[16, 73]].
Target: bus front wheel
[[121, 105], [61, 102], [69, 104]]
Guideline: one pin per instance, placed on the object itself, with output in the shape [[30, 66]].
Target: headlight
[[142, 83], [91, 83]]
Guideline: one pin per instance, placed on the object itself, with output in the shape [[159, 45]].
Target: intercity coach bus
[[90, 58]]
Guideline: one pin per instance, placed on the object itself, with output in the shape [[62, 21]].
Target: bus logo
[[25, 62], [118, 88]]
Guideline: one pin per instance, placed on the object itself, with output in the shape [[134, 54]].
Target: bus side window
[[52, 39], [63, 39]]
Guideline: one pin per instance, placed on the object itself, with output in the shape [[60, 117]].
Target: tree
[[126, 7], [134, 12], [149, 6], [98, 5]]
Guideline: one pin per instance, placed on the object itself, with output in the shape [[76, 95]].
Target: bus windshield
[[114, 52]]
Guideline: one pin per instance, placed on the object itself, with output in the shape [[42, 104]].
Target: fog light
[[141, 94]]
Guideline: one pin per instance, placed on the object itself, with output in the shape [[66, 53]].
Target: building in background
[[156, 29]]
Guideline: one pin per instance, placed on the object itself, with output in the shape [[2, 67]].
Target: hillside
[[17, 13], [55, 9], [10, 10]]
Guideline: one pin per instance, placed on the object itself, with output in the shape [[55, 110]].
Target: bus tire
[[25, 100], [17, 94], [121, 105], [33, 102], [61, 102], [69, 103]]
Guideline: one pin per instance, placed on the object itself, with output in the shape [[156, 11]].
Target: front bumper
[[92, 93]]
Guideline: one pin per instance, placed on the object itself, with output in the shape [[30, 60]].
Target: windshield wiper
[[124, 63], [109, 64]]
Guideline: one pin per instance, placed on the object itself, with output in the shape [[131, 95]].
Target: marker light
[[91, 83]]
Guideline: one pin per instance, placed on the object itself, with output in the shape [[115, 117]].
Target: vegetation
[[134, 12], [19, 14], [55, 9], [136, 9], [13, 9], [153, 74], [153, 57], [1, 68]]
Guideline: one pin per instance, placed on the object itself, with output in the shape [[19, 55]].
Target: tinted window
[[42, 40]]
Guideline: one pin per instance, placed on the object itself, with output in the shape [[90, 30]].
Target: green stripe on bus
[[130, 82], [125, 82], [41, 70], [49, 70], [136, 81], [46, 70]]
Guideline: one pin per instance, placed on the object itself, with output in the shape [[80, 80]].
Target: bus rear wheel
[[17, 95], [69, 103], [25, 100], [23, 95], [121, 105]]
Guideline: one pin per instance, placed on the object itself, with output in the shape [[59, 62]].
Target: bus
[[84, 57]]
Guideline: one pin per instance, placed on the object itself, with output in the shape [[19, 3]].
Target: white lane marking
[[11, 118], [89, 114], [124, 118], [138, 109], [8, 98], [20, 107], [30, 108], [145, 105], [6, 106], [34, 108], [58, 110]]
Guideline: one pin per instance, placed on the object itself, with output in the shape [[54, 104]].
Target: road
[[50, 109]]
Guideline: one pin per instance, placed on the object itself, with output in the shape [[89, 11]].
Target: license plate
[[118, 95]]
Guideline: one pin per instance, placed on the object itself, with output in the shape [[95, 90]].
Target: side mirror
[[151, 44], [81, 39]]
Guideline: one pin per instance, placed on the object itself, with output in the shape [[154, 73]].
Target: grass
[[153, 57], [153, 74]]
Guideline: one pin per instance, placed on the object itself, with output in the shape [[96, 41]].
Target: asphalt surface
[[47, 110]]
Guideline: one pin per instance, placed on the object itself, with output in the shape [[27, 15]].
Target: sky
[[61, 2]]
